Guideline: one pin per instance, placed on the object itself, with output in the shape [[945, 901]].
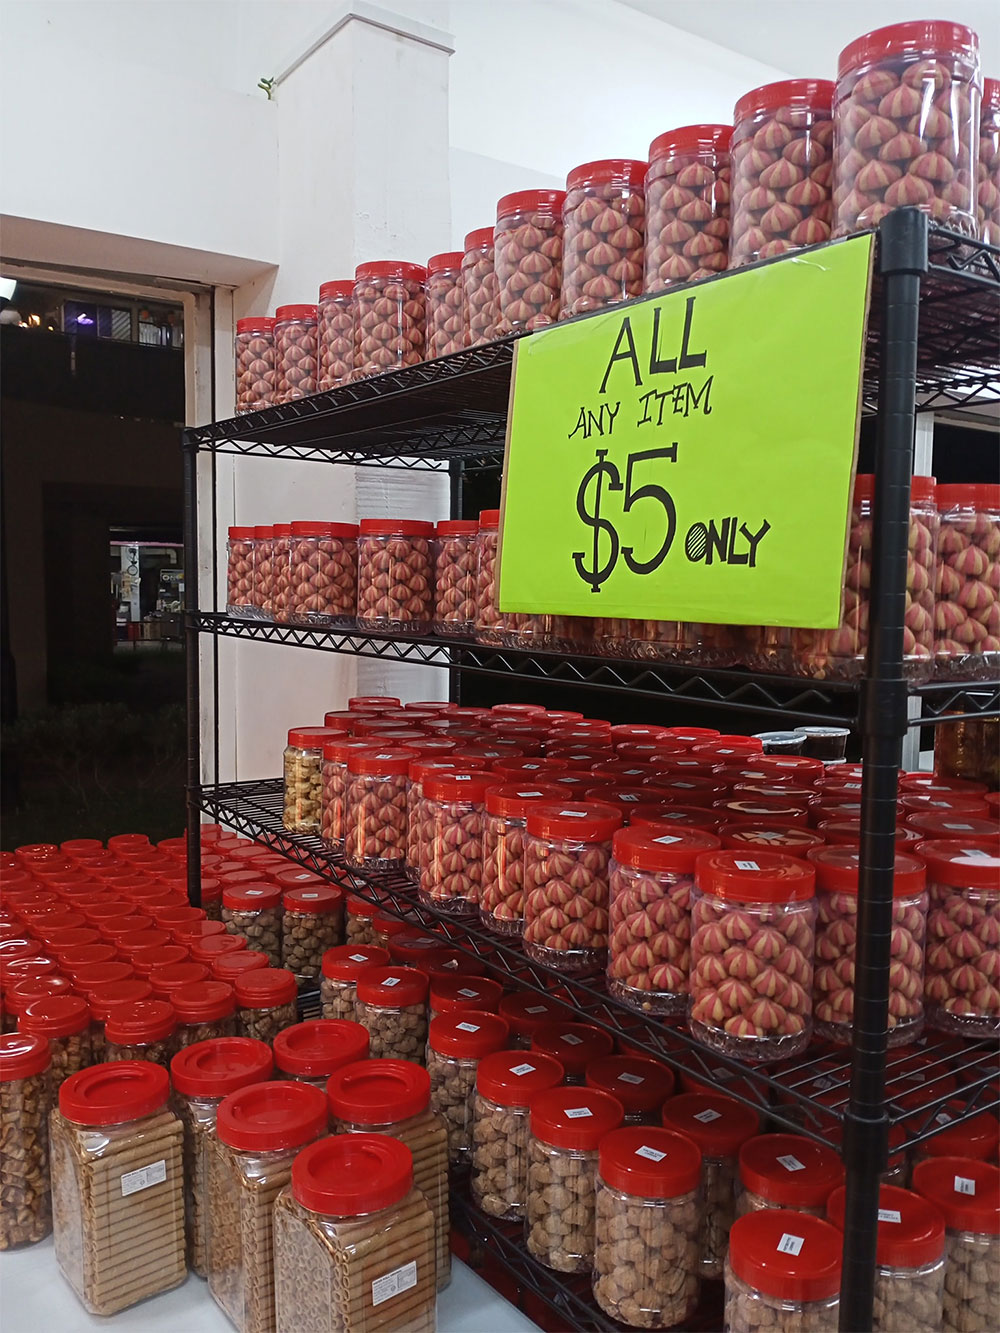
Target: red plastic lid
[[220, 1066], [356, 906], [318, 899], [391, 268], [215, 946], [412, 947], [480, 239], [22, 1056], [455, 785], [675, 818], [938, 782], [313, 738], [919, 803], [229, 966], [352, 1174], [973, 863], [489, 518], [837, 871], [263, 532], [165, 980], [967, 1192], [286, 312], [574, 1045], [991, 94], [691, 139], [589, 822], [13, 970], [316, 1048], [444, 962], [848, 831], [456, 994], [910, 1229], [790, 840], [270, 1117], [387, 925], [347, 961], [395, 527], [171, 917], [526, 1012], [764, 877], [790, 1170], [917, 37], [609, 171], [112, 1094], [204, 1002], [470, 1035], [639, 1084], [801, 94], [392, 987], [548, 202], [147, 1020], [191, 933], [646, 848], [252, 897], [265, 988], [954, 825], [574, 1118], [378, 1092], [649, 1163], [76, 846], [954, 1137], [336, 287], [787, 1255], [719, 1125], [55, 1016], [65, 943], [515, 799], [449, 259], [255, 324], [512, 1078], [28, 990], [102, 997], [456, 527], [146, 961], [374, 701]]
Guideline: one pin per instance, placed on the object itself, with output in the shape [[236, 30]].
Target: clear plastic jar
[[254, 349], [456, 1043], [239, 573], [963, 934], [567, 1125], [336, 753], [839, 654], [451, 852], [641, 1084], [263, 548], [575, 1045], [205, 1011], [783, 1273], [501, 900], [526, 1012], [312, 923], [719, 1126], [342, 967], [836, 938], [102, 995], [480, 292], [782, 168], [967, 612], [323, 574], [443, 288], [455, 576], [417, 829], [145, 1030], [787, 1171], [955, 1136], [988, 177], [907, 125], [967, 1194], [566, 862], [25, 1099], [391, 1003], [310, 1052], [253, 911], [350, 1209], [528, 253], [375, 807], [303, 775], [394, 1097], [358, 918], [506, 1081], [117, 1186], [395, 574], [259, 1131], [652, 874], [753, 1001], [648, 1225], [295, 360], [389, 316], [687, 206], [277, 607], [488, 617], [64, 1021], [266, 1000], [335, 334], [604, 216], [201, 1076]]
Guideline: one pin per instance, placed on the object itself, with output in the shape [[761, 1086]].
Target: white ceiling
[[805, 37]]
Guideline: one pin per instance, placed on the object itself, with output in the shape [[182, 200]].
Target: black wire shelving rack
[[933, 340]]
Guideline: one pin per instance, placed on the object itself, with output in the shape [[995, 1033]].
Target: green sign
[[691, 457]]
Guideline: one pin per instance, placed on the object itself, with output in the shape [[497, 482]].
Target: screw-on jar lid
[[255, 897], [480, 239], [790, 1170], [719, 1125], [390, 268], [288, 312], [649, 1163], [527, 1011], [954, 825], [640, 1084], [55, 1016], [103, 996], [219, 1066], [469, 1035], [620, 171], [574, 1118], [313, 738], [515, 799], [457, 994], [977, 1137], [316, 1048], [337, 288], [204, 1002], [764, 877], [378, 1092], [574, 1045], [263, 532], [268, 1117], [445, 962], [217, 946], [910, 1228], [967, 1192], [448, 259], [346, 962], [646, 848], [489, 518], [351, 1175], [23, 1055], [114, 1093], [229, 966], [929, 782], [378, 760], [547, 202], [457, 785], [689, 788], [356, 906], [787, 1255], [392, 987], [588, 822], [847, 832], [410, 948], [789, 839], [29, 990], [837, 871], [691, 139], [170, 917], [266, 988], [146, 961], [667, 819], [255, 324], [512, 1078], [972, 863], [919, 37], [313, 899], [799, 94], [456, 527], [185, 935], [148, 1020]]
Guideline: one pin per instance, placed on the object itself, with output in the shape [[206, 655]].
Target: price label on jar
[[791, 1163], [635, 1079], [521, 1070], [708, 1115], [889, 1215], [651, 1154], [963, 1185], [571, 1039], [699, 448], [578, 1112], [790, 1244]]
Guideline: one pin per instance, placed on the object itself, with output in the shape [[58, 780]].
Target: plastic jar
[[303, 778], [239, 573], [395, 574], [25, 1099], [506, 1081], [335, 334], [480, 294], [64, 1021], [955, 1136], [451, 848], [375, 807], [392, 1004], [358, 918], [458, 992], [232, 965], [323, 574], [907, 125], [652, 874], [526, 1012], [394, 1097], [118, 1186], [201, 1076], [782, 155], [443, 289], [648, 1224], [783, 1273], [205, 1012], [787, 1171], [350, 1209], [389, 316], [309, 1052], [719, 1126], [640, 1084], [574, 1045], [336, 753], [963, 934], [967, 1194], [254, 347], [312, 923], [455, 576], [253, 911], [266, 1000], [143, 1030], [966, 613], [295, 360], [687, 206], [604, 216], [418, 830], [455, 1045], [261, 581], [528, 255], [988, 177], [501, 899], [342, 968], [259, 1131]]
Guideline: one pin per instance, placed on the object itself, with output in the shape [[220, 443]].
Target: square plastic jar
[[389, 317], [988, 177], [335, 333], [391, 1003], [604, 221], [259, 1131], [961, 985], [310, 1052], [687, 205], [394, 1097], [967, 609], [455, 576], [787, 1171], [501, 899], [906, 116], [451, 848], [443, 294], [528, 253], [25, 1099], [566, 866], [783, 1272], [350, 1210], [201, 1076], [295, 361], [456, 1043], [395, 574], [967, 1194], [375, 806], [118, 1186], [323, 574], [254, 351], [651, 877], [312, 923], [239, 573], [141, 1030], [648, 1227], [254, 912], [266, 1002], [303, 778], [782, 153], [480, 291], [206, 1011], [336, 753]]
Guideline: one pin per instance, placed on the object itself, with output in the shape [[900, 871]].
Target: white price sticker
[[308, 896], [358, 958], [747, 865], [628, 796], [392, 981], [653, 1154], [942, 1118], [578, 1113], [144, 1177], [521, 1070], [684, 786], [631, 1078], [571, 1039], [468, 994], [536, 1009], [394, 1283], [976, 854], [791, 1163], [889, 1215], [529, 793], [467, 1027], [706, 1117], [963, 1185], [960, 828], [574, 814], [790, 1244], [668, 838], [768, 834]]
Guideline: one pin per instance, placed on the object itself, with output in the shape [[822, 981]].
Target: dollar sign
[[597, 573]]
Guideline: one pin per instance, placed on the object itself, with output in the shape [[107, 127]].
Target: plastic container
[[310, 1052], [640, 1084], [688, 195], [648, 1225], [506, 1081], [25, 1100], [239, 573], [955, 1136], [205, 1011], [907, 125], [303, 778], [528, 255], [375, 807], [458, 992], [389, 316], [358, 918], [118, 1186], [455, 576], [265, 1002], [963, 933], [312, 923], [255, 375], [141, 1030], [336, 753], [335, 334], [574, 1045], [392, 1004], [967, 1195], [480, 292], [526, 1012], [604, 217], [341, 969], [253, 912], [450, 850], [64, 1021], [456, 1043], [501, 905], [322, 574], [787, 1171], [259, 1131], [395, 574], [966, 611], [988, 172], [295, 361], [443, 289], [783, 1273], [351, 1208]]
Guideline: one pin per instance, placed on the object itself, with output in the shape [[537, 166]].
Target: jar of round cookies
[[205, 1011], [322, 574], [254, 363], [312, 923], [445, 331], [988, 178], [456, 1043], [455, 576], [787, 1171], [239, 575], [480, 298], [341, 969], [145, 1030], [451, 850], [967, 1195], [389, 316], [375, 819], [253, 911], [641, 1084], [506, 1081], [395, 574], [501, 899], [392, 1005], [303, 778], [783, 1272], [266, 1002]]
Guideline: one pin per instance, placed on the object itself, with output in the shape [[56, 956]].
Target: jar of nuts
[[451, 850], [648, 1224], [64, 1021], [323, 574], [253, 911], [259, 1131], [783, 1273], [787, 1171], [375, 807], [335, 333], [988, 192], [452, 994], [967, 1195], [303, 776], [963, 930], [295, 361], [754, 1000], [341, 969], [687, 207], [566, 866], [310, 1052], [393, 1097], [640, 1084], [201, 1076], [312, 923], [836, 937], [358, 918], [506, 1081], [395, 574], [528, 259], [239, 576], [353, 1239], [205, 1011], [145, 1030], [574, 1045], [501, 899], [966, 612], [455, 576], [392, 1004], [456, 1043], [526, 1012], [907, 125], [254, 363], [25, 1099], [480, 294], [604, 216], [389, 316], [443, 288], [266, 1000], [719, 1126], [782, 154]]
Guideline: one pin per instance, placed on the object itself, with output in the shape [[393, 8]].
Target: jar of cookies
[[783, 1272], [335, 333], [205, 1010], [254, 363], [253, 912], [967, 1195], [392, 1004], [322, 574], [389, 316], [528, 248], [25, 1100], [395, 575], [501, 899], [239, 573], [455, 1045], [266, 1002], [341, 970], [309, 1052], [604, 215], [455, 576], [375, 818], [64, 1022], [451, 850], [480, 297], [142, 1031], [295, 361], [312, 923], [687, 206], [787, 1171], [445, 332], [641, 1085], [303, 777], [506, 1081]]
